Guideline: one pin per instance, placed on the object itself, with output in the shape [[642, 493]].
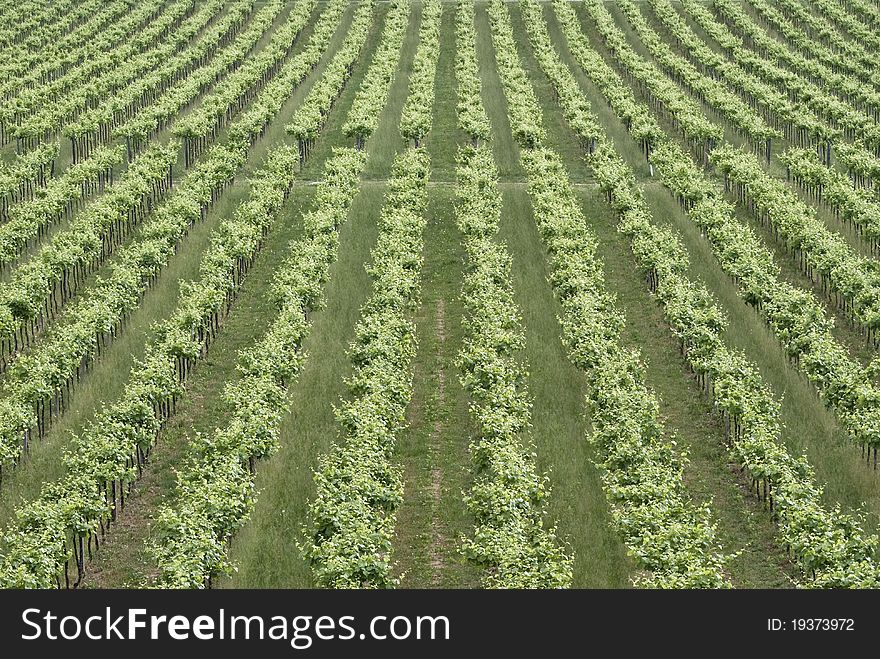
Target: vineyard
[[439, 294]]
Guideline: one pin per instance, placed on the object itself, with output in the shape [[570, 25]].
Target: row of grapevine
[[363, 117], [36, 289], [120, 42], [864, 10], [819, 31], [798, 125], [32, 291], [797, 319], [766, 54], [215, 487], [862, 166], [49, 118], [165, 108], [829, 546], [470, 111], [816, 255], [702, 133], [29, 220], [33, 24], [358, 488], [253, 121], [110, 455], [309, 118], [855, 206], [20, 178], [415, 122], [576, 109], [848, 26], [708, 89], [809, 112], [508, 497], [638, 121], [32, 74], [91, 20], [54, 367], [39, 381], [781, 22], [522, 104], [642, 475], [214, 491], [825, 32], [30, 65], [822, 254], [96, 124], [237, 90], [855, 285], [72, 512]]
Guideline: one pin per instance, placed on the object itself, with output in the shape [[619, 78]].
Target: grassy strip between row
[[508, 497]]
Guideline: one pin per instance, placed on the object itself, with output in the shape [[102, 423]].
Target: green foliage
[[311, 115], [106, 456], [829, 546], [250, 71], [111, 72], [687, 112], [471, 113], [508, 497], [669, 536], [167, 107], [28, 219], [415, 122], [522, 104], [26, 170], [363, 116]]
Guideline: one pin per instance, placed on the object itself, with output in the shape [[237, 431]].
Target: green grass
[[123, 561], [433, 450], [577, 502], [625, 146], [689, 416], [809, 428], [386, 140], [266, 548], [445, 135], [235, 192], [505, 150], [108, 376], [559, 427]]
